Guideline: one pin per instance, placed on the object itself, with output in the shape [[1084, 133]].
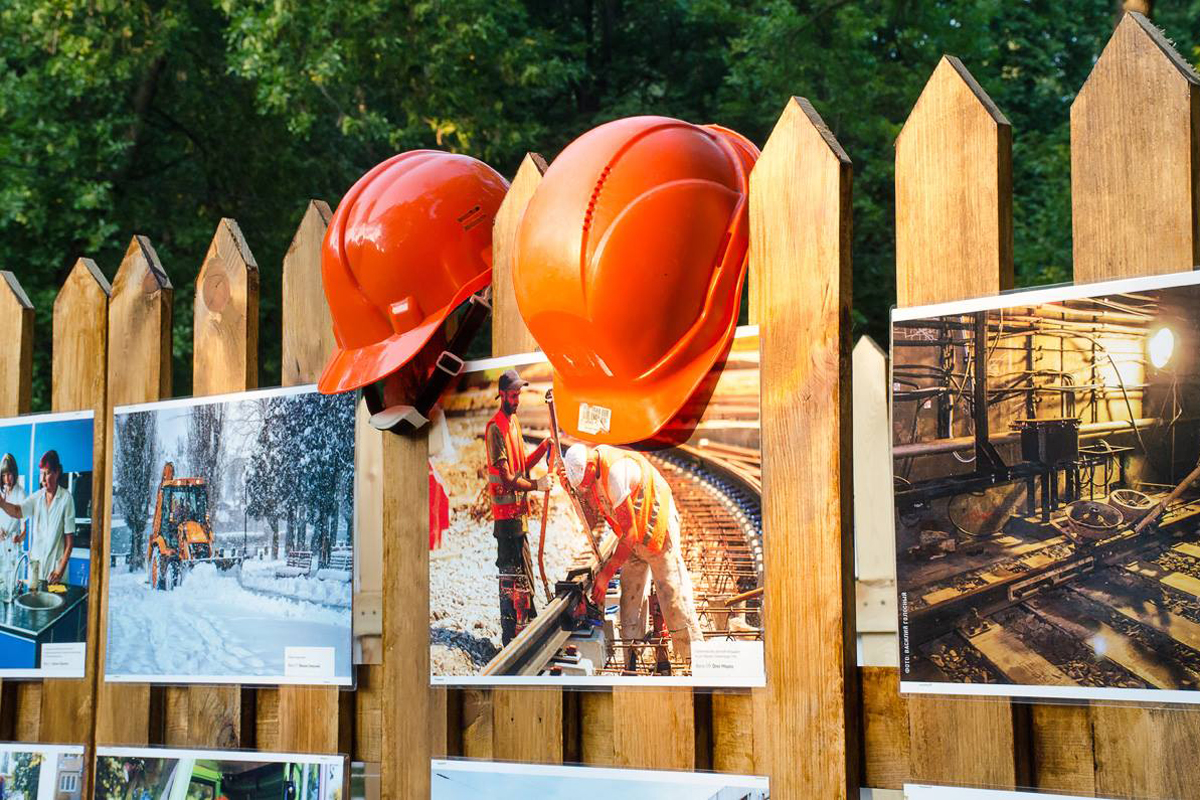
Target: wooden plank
[[309, 716], [509, 334], [734, 745], [139, 370], [1135, 201], [800, 211], [1062, 749], [1135, 176], [1183, 583], [16, 382], [596, 728], [1145, 612], [406, 714], [526, 723], [885, 729], [953, 192], [225, 359], [874, 533], [80, 379], [954, 240], [653, 728], [1019, 663], [1108, 642]]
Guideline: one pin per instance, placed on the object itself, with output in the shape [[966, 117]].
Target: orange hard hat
[[629, 266], [409, 243]]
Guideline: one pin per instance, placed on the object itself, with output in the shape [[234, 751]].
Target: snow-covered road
[[211, 626]]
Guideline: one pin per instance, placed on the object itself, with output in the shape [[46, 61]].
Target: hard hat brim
[[639, 410], [353, 368]]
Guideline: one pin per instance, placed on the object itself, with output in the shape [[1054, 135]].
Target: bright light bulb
[[1161, 345]]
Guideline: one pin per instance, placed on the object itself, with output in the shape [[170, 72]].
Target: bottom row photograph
[[59, 772]]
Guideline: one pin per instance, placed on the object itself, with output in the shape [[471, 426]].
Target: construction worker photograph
[[634, 498], [509, 485]]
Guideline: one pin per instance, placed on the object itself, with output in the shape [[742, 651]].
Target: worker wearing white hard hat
[[636, 501]]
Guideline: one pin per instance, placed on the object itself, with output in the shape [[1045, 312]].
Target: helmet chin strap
[[407, 418]]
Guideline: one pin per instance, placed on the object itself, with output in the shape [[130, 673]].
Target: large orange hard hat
[[630, 260], [409, 243]]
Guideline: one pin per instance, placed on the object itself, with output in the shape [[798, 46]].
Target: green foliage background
[[161, 117]]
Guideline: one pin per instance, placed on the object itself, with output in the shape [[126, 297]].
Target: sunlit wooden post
[[1135, 191], [954, 241], [139, 370], [800, 227]]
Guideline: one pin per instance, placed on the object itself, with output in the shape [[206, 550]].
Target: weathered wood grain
[[16, 326], [886, 762], [509, 334], [406, 695], [526, 723], [139, 370], [16, 382], [953, 164], [79, 381], [224, 359], [1135, 158], [800, 229], [1135, 186], [653, 728], [954, 240], [310, 717]]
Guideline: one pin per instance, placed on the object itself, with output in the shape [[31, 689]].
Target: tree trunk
[[273, 523]]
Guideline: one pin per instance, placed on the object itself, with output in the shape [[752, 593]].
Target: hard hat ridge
[[628, 270]]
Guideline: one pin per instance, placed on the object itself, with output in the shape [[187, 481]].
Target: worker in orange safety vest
[[508, 487], [635, 500]]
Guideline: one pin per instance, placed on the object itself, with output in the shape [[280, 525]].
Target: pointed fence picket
[[1136, 203]]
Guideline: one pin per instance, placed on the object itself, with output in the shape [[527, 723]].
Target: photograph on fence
[[621, 566], [132, 773], [1047, 492], [41, 771], [470, 780], [921, 792], [231, 557], [46, 463]]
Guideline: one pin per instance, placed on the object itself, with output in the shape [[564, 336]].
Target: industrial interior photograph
[[1047, 492], [613, 564]]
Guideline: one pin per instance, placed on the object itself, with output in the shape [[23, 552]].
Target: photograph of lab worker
[[45, 539]]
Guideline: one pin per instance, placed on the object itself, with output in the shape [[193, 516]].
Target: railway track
[[1120, 613], [717, 490]]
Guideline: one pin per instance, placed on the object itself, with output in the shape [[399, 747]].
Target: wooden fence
[[822, 726]]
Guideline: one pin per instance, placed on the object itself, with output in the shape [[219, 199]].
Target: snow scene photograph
[[232, 540]]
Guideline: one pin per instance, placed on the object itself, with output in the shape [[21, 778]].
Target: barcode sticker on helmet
[[594, 419]]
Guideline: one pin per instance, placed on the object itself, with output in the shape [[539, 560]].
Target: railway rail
[[718, 493], [1123, 612]]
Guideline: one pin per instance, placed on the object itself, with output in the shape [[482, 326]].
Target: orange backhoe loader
[[182, 533]]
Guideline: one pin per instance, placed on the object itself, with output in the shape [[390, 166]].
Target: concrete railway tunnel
[[1033, 447]]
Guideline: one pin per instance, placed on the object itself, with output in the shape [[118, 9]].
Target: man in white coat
[[51, 512]]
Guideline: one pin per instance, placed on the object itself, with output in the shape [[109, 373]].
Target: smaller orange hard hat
[[629, 264], [409, 243]]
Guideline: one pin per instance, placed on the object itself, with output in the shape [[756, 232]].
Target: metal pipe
[[1090, 431]]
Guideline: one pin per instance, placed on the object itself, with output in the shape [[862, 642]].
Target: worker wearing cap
[[509, 484], [635, 500]]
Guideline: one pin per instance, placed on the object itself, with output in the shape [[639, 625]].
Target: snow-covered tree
[[137, 471], [206, 448]]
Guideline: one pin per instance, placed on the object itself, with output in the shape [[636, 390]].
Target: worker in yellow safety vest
[[508, 487], [635, 500]]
